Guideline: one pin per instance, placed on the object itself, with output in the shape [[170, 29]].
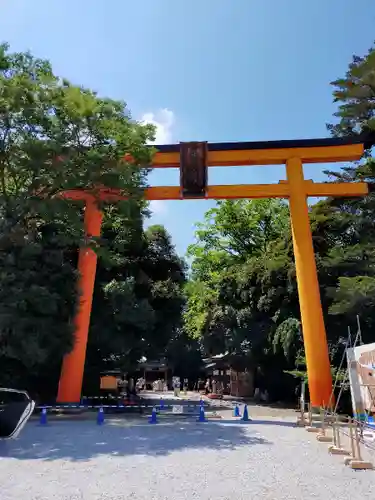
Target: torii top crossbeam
[[325, 150]]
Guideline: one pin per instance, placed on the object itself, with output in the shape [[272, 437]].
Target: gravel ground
[[126, 459]]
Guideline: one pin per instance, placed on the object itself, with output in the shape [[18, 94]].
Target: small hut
[[109, 381], [154, 370], [220, 369]]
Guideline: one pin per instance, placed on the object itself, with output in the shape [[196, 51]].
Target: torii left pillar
[[70, 385]]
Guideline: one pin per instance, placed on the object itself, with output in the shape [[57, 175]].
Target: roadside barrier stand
[[88, 407], [336, 448], [100, 416], [236, 411], [202, 417], [177, 410], [356, 461], [322, 436], [43, 417], [153, 418], [188, 410], [213, 416], [245, 416]]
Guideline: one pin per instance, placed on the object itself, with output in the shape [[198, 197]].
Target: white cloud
[[163, 121], [158, 207]]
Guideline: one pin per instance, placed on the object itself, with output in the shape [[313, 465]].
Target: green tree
[[235, 229], [54, 136], [243, 289], [353, 259], [243, 295], [355, 96], [138, 299]]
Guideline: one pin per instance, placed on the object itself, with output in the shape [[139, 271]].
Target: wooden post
[[357, 462], [301, 421], [322, 436], [310, 413], [336, 448], [310, 427]]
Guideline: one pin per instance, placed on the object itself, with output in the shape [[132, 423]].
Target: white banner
[[361, 367]]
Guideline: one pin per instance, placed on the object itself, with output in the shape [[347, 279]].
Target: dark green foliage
[[355, 95], [243, 297], [56, 136], [138, 298]]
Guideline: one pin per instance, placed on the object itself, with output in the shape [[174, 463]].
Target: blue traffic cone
[[245, 417], [43, 417], [100, 416], [161, 403], [236, 411], [153, 418], [202, 417], [201, 402]]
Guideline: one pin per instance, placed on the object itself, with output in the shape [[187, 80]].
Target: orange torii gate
[[193, 158]]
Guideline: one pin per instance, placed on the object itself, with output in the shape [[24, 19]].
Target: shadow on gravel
[[85, 440]]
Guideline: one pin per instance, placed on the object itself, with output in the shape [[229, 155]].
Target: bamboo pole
[[336, 448], [322, 435], [310, 427], [301, 420], [356, 461]]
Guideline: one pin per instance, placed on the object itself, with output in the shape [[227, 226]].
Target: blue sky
[[215, 70]]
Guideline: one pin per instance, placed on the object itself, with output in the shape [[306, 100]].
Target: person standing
[[207, 386], [122, 384]]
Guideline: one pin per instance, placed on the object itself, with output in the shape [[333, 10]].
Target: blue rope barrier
[[49, 407]]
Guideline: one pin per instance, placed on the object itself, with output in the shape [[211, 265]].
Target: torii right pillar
[[314, 334]]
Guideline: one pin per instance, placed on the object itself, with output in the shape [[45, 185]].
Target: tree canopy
[[243, 296], [57, 136]]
